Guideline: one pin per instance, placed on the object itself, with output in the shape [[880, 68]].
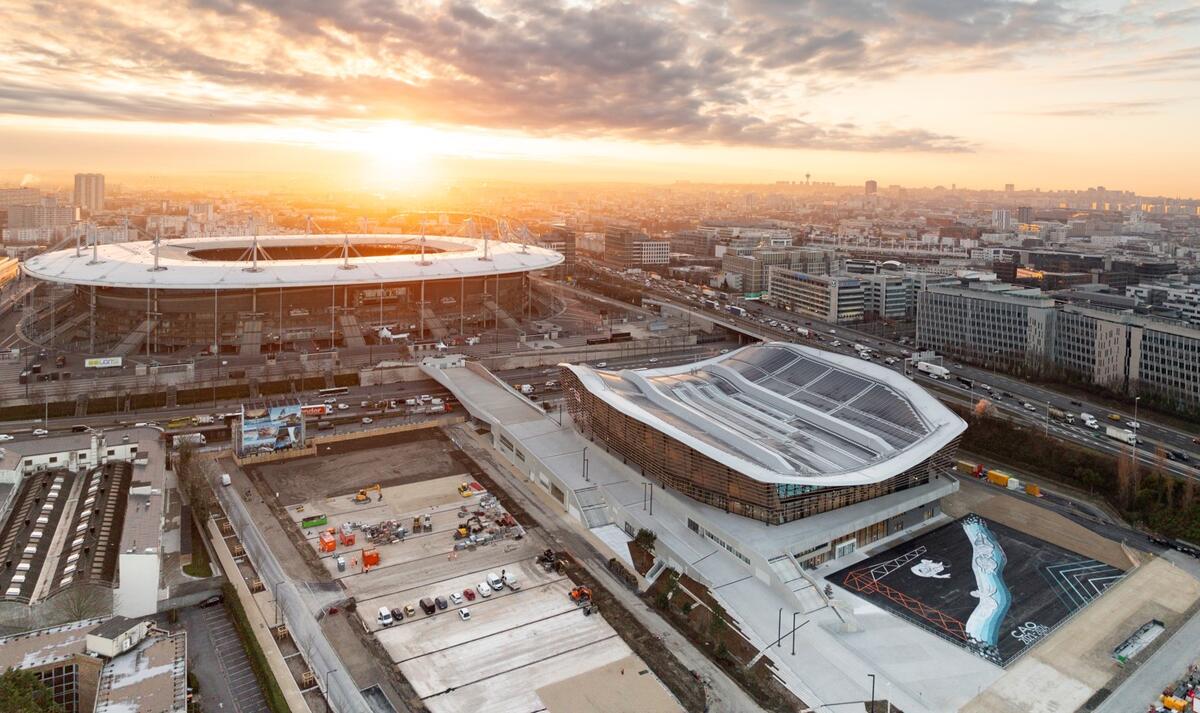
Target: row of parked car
[[431, 605]]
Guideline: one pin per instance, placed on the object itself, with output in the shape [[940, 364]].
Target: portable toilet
[[341, 563]]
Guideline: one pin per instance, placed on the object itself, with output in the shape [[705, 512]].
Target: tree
[[83, 601], [23, 692]]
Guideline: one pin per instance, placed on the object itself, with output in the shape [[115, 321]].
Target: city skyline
[[409, 95]]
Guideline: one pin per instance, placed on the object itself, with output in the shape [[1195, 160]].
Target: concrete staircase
[[133, 341], [250, 342], [351, 331], [798, 583], [593, 506], [434, 324]]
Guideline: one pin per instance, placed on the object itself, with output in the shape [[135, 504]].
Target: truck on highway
[[202, 419], [1124, 435], [1090, 421], [1059, 415], [933, 369], [736, 311], [196, 439]]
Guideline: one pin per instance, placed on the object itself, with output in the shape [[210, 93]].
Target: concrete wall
[[137, 588]]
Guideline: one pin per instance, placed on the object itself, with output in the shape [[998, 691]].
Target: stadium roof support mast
[[157, 248], [253, 251], [346, 254], [424, 262]]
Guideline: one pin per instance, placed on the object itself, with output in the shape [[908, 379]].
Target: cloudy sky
[[395, 92]]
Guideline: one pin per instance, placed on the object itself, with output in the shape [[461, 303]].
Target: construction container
[[346, 535], [964, 467], [370, 558], [1014, 484], [328, 544], [314, 521], [997, 478], [1031, 489]]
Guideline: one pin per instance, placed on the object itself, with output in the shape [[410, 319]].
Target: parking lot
[[232, 681], [515, 641]]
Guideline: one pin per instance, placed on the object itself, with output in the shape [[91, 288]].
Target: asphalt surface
[[216, 657], [757, 323]]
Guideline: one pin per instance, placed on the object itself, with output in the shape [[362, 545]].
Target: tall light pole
[[1136, 399], [872, 692]]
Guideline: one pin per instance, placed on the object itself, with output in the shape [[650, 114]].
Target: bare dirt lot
[[342, 468]]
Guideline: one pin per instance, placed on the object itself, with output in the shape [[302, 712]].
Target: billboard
[[270, 429], [102, 362]]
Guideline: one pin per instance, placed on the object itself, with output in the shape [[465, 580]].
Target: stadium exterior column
[[421, 311], [216, 327], [92, 320], [462, 304]]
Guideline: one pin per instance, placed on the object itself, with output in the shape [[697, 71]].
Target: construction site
[[467, 602]]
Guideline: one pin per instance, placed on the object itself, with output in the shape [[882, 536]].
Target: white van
[[385, 617]]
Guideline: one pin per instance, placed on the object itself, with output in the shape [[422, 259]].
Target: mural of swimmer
[[994, 598]]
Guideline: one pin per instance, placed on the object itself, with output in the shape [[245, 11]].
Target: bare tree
[[83, 601]]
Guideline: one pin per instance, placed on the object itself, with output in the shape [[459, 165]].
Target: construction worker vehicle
[[581, 595], [362, 498], [464, 489]]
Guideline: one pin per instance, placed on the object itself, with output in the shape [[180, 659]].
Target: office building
[[991, 324], [871, 188], [832, 298], [89, 191], [885, 296], [561, 239], [750, 269], [1002, 220], [626, 248], [1025, 214]]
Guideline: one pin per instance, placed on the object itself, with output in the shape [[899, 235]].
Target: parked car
[[440, 601], [385, 617], [484, 590], [409, 611], [495, 582], [464, 614], [212, 601], [456, 598], [469, 594], [397, 614]]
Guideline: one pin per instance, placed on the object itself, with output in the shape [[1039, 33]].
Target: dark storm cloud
[[709, 71]]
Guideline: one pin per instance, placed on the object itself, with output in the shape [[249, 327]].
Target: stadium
[[247, 294], [774, 432]]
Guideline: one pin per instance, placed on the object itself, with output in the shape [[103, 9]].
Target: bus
[[334, 391]]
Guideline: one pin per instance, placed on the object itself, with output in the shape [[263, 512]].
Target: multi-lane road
[[1007, 394], [354, 397]]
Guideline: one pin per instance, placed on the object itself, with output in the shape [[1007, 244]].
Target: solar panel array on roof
[[803, 371], [769, 359], [882, 402], [839, 386]]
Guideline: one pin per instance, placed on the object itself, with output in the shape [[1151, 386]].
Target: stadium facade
[[245, 294]]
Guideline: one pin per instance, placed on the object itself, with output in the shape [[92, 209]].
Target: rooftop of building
[[784, 413], [150, 677], [298, 261]]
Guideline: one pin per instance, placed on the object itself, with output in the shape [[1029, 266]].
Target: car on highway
[[601, 364], [1076, 403], [5, 437], [343, 407], [1114, 417], [331, 401], [654, 360], [367, 420], [1028, 406], [1133, 424], [40, 432]]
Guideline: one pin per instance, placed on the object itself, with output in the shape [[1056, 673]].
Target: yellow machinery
[[464, 490], [361, 497]]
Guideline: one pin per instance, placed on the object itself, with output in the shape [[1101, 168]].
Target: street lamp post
[[1136, 399], [872, 692]]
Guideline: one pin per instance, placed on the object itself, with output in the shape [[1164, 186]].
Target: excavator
[[362, 498]]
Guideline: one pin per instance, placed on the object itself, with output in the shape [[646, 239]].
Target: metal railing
[[297, 611]]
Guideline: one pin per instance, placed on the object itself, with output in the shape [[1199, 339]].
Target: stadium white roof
[[785, 413], [133, 264]]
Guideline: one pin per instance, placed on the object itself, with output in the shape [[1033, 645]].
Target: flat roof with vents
[[786, 413]]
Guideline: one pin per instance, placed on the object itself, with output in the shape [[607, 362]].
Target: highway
[[1012, 392], [353, 398]]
